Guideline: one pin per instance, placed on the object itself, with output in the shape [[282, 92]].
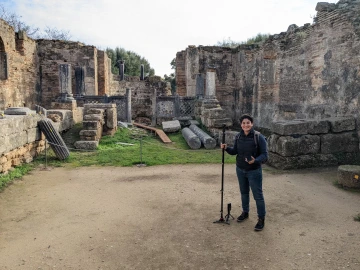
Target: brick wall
[[142, 92], [54, 52], [21, 88]]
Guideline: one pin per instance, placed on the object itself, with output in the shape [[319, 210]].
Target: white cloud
[[158, 29]]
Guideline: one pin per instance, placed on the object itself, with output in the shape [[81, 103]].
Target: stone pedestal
[[349, 176]]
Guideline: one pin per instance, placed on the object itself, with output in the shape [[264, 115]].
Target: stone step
[[92, 125], [86, 145]]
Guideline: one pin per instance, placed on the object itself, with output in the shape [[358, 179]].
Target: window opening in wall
[[3, 61]]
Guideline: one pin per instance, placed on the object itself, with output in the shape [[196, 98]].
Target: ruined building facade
[[308, 72], [30, 73]]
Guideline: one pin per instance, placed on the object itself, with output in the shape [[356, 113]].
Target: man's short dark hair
[[246, 116]]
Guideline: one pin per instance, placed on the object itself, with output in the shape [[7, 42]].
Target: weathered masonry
[[308, 72]]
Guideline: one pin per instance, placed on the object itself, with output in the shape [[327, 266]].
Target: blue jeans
[[253, 180]]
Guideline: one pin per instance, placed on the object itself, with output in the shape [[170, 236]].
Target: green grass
[[17, 172], [146, 149], [357, 217]]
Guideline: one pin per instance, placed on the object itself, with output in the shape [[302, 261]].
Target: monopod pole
[[221, 220]]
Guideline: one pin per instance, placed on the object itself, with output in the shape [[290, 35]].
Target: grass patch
[[16, 173], [127, 147], [357, 217], [147, 149]]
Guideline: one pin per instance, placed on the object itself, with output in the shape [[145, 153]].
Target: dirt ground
[[162, 218]]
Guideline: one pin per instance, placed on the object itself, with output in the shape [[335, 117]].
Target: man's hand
[[250, 161]]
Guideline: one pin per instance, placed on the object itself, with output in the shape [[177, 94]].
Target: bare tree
[[15, 21], [54, 33]]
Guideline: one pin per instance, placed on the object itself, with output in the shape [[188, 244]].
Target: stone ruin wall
[[104, 73], [52, 53], [21, 87], [21, 140], [143, 93], [308, 72]]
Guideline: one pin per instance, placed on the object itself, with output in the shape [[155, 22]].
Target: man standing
[[251, 150]]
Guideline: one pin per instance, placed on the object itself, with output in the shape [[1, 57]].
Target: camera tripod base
[[222, 220], [226, 220]]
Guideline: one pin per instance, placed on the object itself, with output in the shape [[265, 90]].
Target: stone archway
[[3, 61]]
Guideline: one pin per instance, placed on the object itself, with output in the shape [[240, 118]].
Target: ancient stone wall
[[19, 76], [142, 92], [308, 72], [21, 140], [104, 73], [52, 53], [314, 143]]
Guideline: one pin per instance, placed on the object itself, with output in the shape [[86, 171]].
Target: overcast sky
[[158, 29]]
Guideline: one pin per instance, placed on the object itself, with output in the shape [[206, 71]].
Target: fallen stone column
[[191, 138], [208, 142]]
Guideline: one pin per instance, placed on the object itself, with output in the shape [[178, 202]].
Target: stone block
[[91, 125], [88, 133], [300, 162], [13, 124], [341, 124], [349, 176], [30, 121], [86, 145], [18, 111], [17, 140], [6, 166], [300, 127], [68, 105], [192, 122], [3, 144], [21, 151], [111, 118], [288, 146], [15, 162], [33, 134], [27, 158], [54, 117], [171, 126], [215, 113], [94, 111], [102, 106], [4, 127], [89, 138], [3, 159], [217, 123], [94, 117], [341, 142]]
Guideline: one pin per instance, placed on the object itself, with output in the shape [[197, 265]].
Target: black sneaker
[[260, 224], [243, 216]]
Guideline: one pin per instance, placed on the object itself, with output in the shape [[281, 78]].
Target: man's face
[[246, 125]]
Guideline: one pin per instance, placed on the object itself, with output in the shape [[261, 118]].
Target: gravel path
[[162, 217]]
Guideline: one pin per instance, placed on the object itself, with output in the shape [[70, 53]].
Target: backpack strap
[[256, 139]]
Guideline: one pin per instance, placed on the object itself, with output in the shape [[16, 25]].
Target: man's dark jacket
[[245, 147]]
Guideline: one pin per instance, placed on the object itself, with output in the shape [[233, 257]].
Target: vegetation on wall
[[259, 38], [133, 61], [171, 78], [16, 22]]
